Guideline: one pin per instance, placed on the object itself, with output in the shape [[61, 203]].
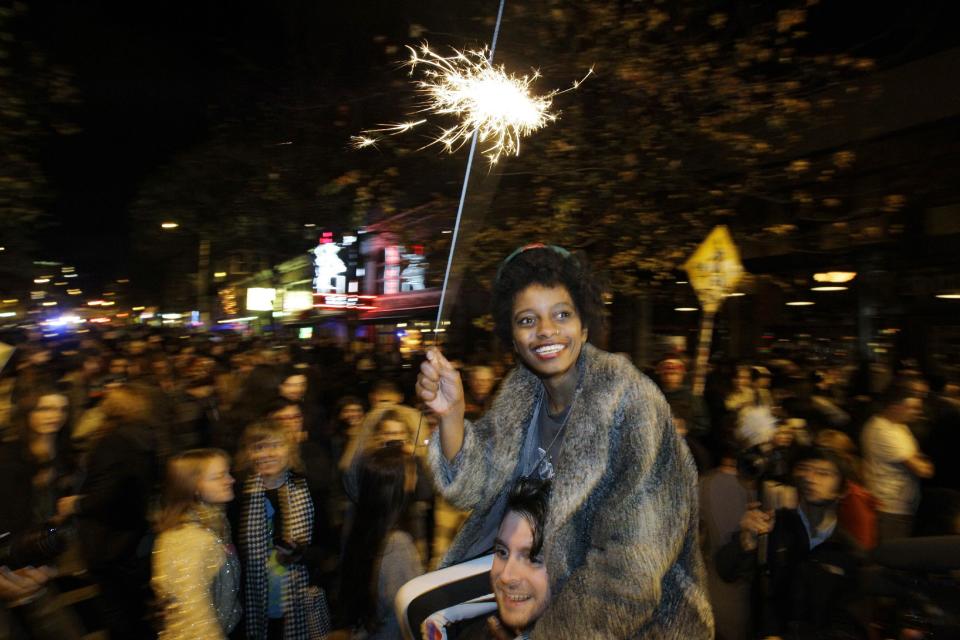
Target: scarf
[[296, 513]]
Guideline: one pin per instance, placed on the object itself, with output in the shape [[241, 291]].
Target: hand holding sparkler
[[439, 386]]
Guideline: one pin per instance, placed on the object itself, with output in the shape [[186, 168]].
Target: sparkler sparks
[[483, 98]]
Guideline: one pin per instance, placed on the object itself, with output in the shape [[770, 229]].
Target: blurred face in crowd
[[118, 367], [294, 388], [225, 385], [271, 456], [481, 381], [91, 365], [392, 431], [519, 582], [547, 331], [905, 411], [162, 368], [783, 437], [216, 483], [671, 374], [352, 414], [49, 416], [201, 367], [384, 396], [291, 418], [819, 481], [241, 363]]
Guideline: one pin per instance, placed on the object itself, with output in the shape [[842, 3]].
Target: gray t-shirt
[[531, 458], [550, 437]]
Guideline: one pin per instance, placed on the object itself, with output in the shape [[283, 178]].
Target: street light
[[203, 264]]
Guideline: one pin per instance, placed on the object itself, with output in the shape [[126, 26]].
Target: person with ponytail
[[196, 572]]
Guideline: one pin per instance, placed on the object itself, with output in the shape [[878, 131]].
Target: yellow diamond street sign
[[714, 268]]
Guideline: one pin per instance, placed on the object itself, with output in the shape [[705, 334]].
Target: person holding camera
[[392, 428], [805, 566]]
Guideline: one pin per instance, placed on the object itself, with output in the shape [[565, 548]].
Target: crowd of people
[[215, 485], [805, 469]]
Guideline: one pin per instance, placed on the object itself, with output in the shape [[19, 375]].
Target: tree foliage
[[689, 121], [35, 96]]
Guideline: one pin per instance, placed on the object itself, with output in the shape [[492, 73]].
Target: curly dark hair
[[547, 266]]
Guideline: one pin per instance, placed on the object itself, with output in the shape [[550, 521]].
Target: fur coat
[[620, 541]]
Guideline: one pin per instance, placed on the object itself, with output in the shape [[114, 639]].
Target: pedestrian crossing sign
[[714, 268]]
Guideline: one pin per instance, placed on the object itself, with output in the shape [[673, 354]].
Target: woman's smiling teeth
[[549, 349]]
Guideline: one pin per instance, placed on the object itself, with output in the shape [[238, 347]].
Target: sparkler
[[500, 108]]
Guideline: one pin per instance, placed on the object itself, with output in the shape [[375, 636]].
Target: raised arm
[[440, 388]]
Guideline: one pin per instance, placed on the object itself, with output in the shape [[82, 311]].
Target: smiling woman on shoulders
[[620, 543]]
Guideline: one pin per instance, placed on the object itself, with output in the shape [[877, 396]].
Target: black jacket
[[122, 472], [24, 506], [803, 592]]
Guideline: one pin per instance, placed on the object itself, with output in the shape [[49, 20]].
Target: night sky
[[155, 78]]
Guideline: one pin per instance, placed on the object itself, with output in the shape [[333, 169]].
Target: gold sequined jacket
[[186, 560]]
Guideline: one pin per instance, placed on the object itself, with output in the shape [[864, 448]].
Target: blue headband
[[533, 245]]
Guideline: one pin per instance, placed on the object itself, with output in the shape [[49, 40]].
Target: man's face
[[907, 410], [481, 381], [819, 481], [352, 414], [519, 582]]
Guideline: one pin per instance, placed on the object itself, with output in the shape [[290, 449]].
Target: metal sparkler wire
[[456, 225], [463, 191]]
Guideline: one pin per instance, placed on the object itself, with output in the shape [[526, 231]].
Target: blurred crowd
[[266, 488], [806, 472]]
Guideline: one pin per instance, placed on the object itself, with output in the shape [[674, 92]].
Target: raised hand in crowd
[[754, 523]]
